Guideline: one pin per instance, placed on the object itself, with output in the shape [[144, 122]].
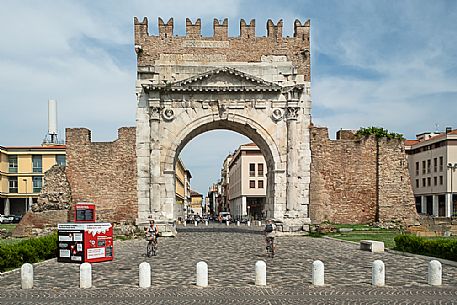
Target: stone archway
[[193, 86]]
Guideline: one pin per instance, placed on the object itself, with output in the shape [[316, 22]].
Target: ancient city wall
[[245, 48], [353, 181], [104, 173]]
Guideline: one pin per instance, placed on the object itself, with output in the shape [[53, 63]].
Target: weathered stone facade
[[103, 173], [359, 180], [56, 191], [256, 86]]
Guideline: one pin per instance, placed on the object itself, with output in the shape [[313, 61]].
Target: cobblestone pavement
[[231, 253]]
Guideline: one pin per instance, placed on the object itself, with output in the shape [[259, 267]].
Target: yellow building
[[182, 176], [21, 175], [196, 203]]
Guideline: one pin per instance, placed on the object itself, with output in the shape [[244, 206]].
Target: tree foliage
[[378, 132]]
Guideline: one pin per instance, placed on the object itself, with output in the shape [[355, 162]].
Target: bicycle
[[151, 248], [270, 246]]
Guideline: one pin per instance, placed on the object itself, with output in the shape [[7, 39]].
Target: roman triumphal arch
[[257, 86]]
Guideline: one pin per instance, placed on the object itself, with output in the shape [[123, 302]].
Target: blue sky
[[374, 63]]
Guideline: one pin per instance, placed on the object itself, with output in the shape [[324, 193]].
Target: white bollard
[[317, 277], [227, 222], [434, 276], [378, 273], [260, 273], [202, 274], [196, 223], [85, 275], [27, 276], [184, 223], [206, 222], [238, 223], [145, 275], [249, 223], [260, 223]]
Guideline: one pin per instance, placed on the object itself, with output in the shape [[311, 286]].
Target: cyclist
[[270, 233], [152, 233]]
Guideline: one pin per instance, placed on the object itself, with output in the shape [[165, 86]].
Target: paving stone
[[231, 256]]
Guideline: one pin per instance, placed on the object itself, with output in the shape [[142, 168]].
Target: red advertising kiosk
[[85, 241]]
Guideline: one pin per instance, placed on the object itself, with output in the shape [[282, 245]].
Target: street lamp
[[452, 167]]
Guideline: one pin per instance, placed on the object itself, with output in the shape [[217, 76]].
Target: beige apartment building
[[21, 175], [432, 163], [247, 183]]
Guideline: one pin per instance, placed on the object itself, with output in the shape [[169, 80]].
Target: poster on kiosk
[[85, 241]]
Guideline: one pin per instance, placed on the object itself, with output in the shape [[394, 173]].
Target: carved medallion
[[168, 114], [277, 114]]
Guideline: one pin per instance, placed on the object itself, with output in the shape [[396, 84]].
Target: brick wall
[[344, 186], [245, 48], [104, 173]]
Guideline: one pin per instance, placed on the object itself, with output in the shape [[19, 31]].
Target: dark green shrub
[[440, 247], [27, 251]]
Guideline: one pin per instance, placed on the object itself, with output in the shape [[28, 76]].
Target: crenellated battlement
[[220, 28], [247, 47]]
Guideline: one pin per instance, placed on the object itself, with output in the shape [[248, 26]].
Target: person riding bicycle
[[270, 233], [153, 230]]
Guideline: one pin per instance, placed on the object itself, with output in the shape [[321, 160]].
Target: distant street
[[231, 257]]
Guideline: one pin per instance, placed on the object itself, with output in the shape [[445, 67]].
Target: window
[[429, 165], [12, 164], [423, 182], [260, 169], [435, 181], [441, 180], [435, 164], [429, 181], [260, 184], [37, 184], [423, 167], [417, 183], [251, 169], [37, 164], [12, 181], [441, 164], [417, 168], [61, 160], [252, 184]]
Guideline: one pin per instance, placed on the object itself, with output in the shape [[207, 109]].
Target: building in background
[[21, 175], [214, 199], [432, 164], [225, 179], [183, 191], [196, 205], [247, 183]]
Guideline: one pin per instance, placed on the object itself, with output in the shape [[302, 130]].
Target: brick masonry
[[104, 173], [344, 185], [343, 177], [245, 48]]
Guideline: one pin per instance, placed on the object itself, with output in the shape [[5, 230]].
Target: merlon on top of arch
[[246, 81]]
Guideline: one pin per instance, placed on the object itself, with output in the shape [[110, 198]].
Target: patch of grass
[[385, 236], [8, 227]]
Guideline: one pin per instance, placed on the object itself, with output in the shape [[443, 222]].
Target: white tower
[[51, 137]]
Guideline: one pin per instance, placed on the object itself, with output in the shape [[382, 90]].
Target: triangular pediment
[[223, 78]]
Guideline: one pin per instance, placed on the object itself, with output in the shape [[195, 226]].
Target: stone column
[[448, 205], [435, 206], [423, 205], [142, 155], [6, 210], [292, 159]]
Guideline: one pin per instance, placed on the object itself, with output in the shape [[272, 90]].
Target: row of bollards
[[227, 222], [434, 274]]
